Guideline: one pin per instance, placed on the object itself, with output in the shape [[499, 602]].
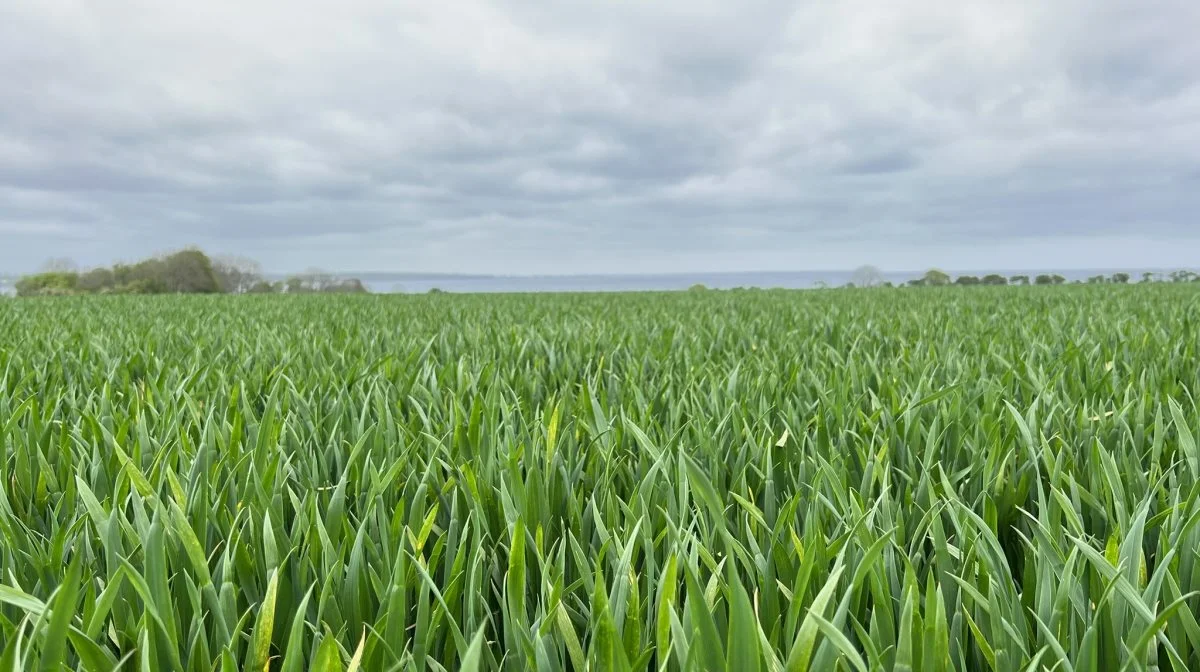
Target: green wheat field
[[920, 479]]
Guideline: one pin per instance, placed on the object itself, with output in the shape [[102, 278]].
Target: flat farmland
[[889, 479]]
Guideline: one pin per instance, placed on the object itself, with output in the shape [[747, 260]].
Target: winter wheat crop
[[920, 479]]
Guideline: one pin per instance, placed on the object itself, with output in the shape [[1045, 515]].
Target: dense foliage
[[188, 271], [1000, 479]]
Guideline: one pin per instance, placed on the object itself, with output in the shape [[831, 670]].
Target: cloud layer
[[519, 136]]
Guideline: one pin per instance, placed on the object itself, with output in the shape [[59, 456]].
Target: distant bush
[[932, 278], [142, 286], [698, 287], [96, 280], [54, 283], [263, 287]]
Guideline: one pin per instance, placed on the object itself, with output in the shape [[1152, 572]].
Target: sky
[[535, 137]]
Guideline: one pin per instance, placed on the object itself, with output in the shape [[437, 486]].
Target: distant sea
[[419, 283]]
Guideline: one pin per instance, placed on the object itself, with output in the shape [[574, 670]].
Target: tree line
[[869, 276], [188, 271]]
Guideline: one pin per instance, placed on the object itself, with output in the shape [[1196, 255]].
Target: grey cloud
[[522, 136], [891, 162]]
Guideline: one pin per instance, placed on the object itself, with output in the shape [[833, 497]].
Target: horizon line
[[668, 274]]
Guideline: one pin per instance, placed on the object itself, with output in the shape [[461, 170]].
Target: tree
[[97, 280], [935, 278], [1097, 280], [48, 284], [144, 277], [1182, 276], [1043, 280], [235, 274], [867, 276], [1147, 277], [1120, 278], [966, 280], [994, 279], [1020, 279], [189, 272]]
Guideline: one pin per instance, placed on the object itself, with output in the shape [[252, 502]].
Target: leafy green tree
[[97, 280], [1020, 279], [144, 277], [48, 284], [189, 272], [1120, 278], [994, 279], [966, 280], [935, 278]]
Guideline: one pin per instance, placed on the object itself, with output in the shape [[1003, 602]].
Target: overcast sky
[[529, 136]]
